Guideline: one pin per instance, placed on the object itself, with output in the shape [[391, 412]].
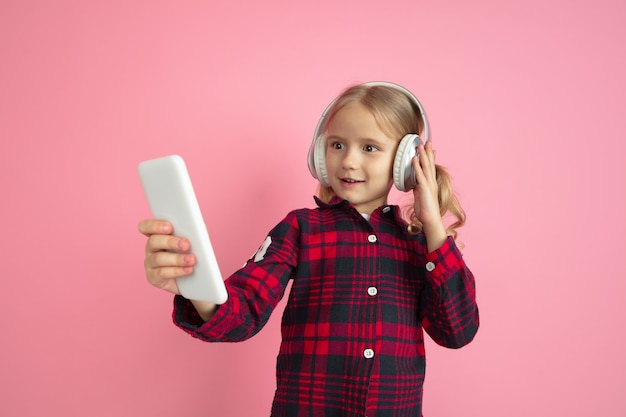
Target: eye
[[335, 145], [370, 148]]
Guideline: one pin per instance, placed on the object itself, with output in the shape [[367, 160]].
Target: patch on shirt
[[260, 253]]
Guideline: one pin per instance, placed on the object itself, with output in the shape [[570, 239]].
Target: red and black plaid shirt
[[352, 339]]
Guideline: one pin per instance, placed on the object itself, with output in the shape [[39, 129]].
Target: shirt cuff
[[185, 315], [440, 261], [215, 329]]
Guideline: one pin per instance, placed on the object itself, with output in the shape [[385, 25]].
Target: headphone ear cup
[[317, 160], [403, 173]]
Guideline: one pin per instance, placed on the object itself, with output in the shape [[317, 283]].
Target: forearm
[[453, 321], [253, 292], [449, 311]]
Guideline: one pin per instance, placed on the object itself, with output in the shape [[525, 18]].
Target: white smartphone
[[171, 197]]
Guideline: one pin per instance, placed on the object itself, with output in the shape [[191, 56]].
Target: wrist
[[435, 234], [205, 309]]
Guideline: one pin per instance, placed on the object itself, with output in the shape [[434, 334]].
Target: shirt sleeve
[[253, 291], [449, 312]]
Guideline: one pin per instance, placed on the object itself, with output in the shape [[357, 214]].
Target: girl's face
[[359, 158]]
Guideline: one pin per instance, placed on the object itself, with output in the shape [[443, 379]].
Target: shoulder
[[298, 219], [323, 210]]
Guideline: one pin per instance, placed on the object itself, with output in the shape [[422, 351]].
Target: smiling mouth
[[350, 180]]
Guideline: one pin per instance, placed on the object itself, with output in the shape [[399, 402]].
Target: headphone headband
[[406, 92]]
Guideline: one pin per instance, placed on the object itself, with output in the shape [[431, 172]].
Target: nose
[[350, 159]]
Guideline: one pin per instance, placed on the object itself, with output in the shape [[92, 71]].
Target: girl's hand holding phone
[[162, 265]]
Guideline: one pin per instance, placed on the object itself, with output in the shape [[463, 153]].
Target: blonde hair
[[397, 116]]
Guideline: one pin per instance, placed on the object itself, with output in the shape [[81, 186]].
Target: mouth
[[350, 180]]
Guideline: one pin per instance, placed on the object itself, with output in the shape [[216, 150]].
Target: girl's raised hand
[[163, 265], [426, 196]]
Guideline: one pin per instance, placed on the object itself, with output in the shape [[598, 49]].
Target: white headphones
[[403, 173]]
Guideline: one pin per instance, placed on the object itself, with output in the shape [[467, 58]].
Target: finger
[[427, 159], [169, 259], [157, 243], [168, 273], [432, 154], [428, 151], [151, 226], [424, 159], [419, 172], [164, 277]]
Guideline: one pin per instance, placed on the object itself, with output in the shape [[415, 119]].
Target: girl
[[365, 282]]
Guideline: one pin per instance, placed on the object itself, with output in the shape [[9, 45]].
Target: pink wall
[[526, 103]]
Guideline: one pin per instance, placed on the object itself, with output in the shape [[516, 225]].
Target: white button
[[372, 238], [387, 209], [368, 353], [430, 266], [372, 291]]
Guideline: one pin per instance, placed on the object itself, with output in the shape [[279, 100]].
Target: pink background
[[526, 100]]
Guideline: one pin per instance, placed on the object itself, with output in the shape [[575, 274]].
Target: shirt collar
[[334, 202], [345, 204]]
